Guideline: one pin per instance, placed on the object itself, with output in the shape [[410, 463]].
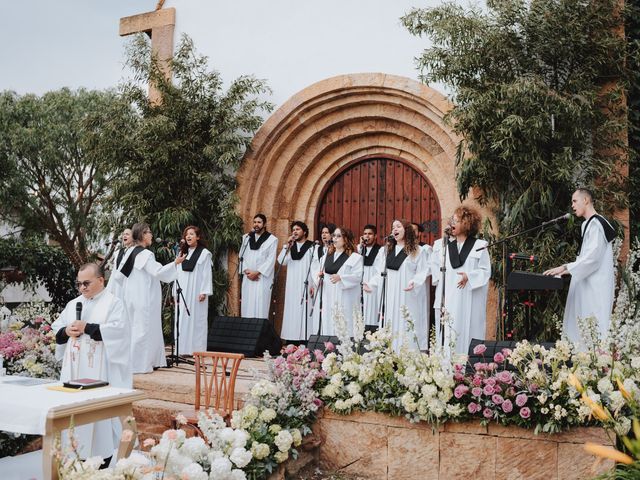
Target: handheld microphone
[[566, 216], [78, 310], [447, 230], [390, 237]]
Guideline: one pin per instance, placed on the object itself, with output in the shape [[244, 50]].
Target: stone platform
[[170, 390], [377, 446]]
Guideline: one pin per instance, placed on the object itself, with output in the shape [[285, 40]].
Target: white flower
[[281, 456], [283, 440], [260, 450], [353, 388], [240, 457], [297, 436], [193, 472], [622, 426], [237, 474], [267, 415], [635, 363], [220, 468], [605, 385], [195, 448]]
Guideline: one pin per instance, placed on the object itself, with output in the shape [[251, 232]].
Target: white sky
[[45, 45]]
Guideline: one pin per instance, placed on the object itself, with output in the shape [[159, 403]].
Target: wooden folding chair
[[216, 374]]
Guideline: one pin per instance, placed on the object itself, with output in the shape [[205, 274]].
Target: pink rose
[[533, 388], [473, 407], [488, 390], [476, 391], [289, 349], [329, 347], [521, 399], [479, 349], [507, 406], [458, 377], [506, 352], [490, 381], [46, 328], [497, 399], [525, 412], [497, 389], [487, 413], [504, 377], [498, 357], [478, 366], [477, 381], [458, 367], [318, 354], [460, 390]]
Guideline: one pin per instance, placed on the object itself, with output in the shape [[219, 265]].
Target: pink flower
[[476, 391], [521, 399], [38, 320], [498, 357], [487, 413], [510, 392], [506, 352], [473, 407], [525, 412], [46, 328], [329, 347], [148, 442], [533, 388], [477, 381], [479, 349], [458, 367], [460, 390], [289, 349], [458, 377], [497, 399], [497, 389], [504, 377], [318, 354], [492, 366], [488, 390], [507, 406], [490, 381]]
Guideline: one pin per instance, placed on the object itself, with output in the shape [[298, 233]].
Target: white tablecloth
[[24, 409]]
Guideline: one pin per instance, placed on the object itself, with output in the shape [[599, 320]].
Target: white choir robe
[[116, 287], [372, 300], [295, 312], [107, 360], [194, 327], [413, 269], [317, 265], [344, 294], [466, 306], [424, 291], [143, 301], [592, 283], [256, 295]]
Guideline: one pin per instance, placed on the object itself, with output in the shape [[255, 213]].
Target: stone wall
[[377, 446]]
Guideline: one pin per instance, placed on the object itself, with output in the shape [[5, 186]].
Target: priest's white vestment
[[107, 360], [295, 311], [256, 294], [466, 306]]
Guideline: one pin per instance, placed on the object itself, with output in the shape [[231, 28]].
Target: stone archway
[[333, 123]]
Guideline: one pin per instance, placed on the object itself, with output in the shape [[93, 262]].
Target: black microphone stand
[[383, 298], [305, 296], [176, 359], [319, 291], [241, 270], [363, 252]]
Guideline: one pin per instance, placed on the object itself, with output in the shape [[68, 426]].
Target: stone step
[[153, 411]]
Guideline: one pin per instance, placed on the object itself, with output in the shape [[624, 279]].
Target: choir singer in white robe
[[193, 273], [256, 266], [406, 269], [468, 271], [317, 264], [140, 276], [96, 346], [373, 256], [341, 277], [296, 256], [126, 242], [592, 274]]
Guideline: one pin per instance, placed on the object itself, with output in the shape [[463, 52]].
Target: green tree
[[187, 149], [530, 104], [58, 155]]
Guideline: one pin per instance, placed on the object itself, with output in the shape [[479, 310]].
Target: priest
[[93, 341], [592, 273], [256, 266]]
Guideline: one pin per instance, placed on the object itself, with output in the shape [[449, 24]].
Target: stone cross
[[159, 25]]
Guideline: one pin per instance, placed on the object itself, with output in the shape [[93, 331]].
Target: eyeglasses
[[336, 235], [84, 284]]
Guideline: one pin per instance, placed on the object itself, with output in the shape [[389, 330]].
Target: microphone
[[78, 310], [447, 230], [165, 241], [390, 237], [112, 242], [566, 216]]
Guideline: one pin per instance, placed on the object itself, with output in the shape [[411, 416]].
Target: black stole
[[119, 257], [371, 256], [609, 231], [128, 265], [256, 244], [189, 264], [331, 266], [394, 262], [456, 258], [299, 254], [321, 251]]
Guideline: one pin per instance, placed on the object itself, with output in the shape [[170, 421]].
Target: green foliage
[[530, 105], [187, 150], [58, 155], [632, 29], [43, 263]]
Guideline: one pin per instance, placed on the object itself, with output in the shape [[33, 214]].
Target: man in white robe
[[373, 255], [96, 346], [297, 256], [592, 273], [256, 267]]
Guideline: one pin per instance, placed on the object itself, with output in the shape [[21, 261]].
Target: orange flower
[[596, 409], [608, 452], [574, 382], [625, 393]]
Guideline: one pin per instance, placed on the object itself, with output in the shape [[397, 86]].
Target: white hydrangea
[[194, 472], [220, 468], [260, 450], [281, 456], [283, 440], [267, 415], [240, 457], [237, 474]]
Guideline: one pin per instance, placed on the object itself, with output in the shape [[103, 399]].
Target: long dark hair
[[349, 241], [184, 248], [410, 241]]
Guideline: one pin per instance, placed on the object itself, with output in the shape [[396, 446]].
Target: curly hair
[[411, 245], [197, 231], [349, 241], [469, 218]]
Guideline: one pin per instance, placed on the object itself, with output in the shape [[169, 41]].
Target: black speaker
[[316, 342], [250, 336]]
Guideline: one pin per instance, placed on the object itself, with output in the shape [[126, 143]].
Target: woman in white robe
[[118, 259], [140, 276], [296, 256], [341, 277], [407, 270], [193, 273], [466, 283], [317, 264]]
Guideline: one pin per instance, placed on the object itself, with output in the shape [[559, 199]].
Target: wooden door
[[378, 191]]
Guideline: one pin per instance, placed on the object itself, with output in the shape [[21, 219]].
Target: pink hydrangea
[[525, 412], [521, 399], [507, 406], [479, 349]]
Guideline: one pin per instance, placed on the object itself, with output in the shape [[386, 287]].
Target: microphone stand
[[383, 298], [176, 359], [305, 296], [241, 265], [274, 284], [443, 280], [319, 291], [363, 253]]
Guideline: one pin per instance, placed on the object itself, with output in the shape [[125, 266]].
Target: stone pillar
[[159, 25]]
